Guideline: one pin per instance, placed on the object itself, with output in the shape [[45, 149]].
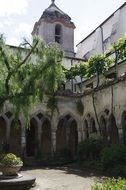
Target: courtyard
[[61, 178]]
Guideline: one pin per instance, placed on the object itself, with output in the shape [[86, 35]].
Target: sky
[[17, 17]]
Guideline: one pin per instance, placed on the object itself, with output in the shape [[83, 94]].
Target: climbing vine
[[98, 64]]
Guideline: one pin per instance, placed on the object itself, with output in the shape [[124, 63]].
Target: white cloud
[[13, 41], [24, 28], [9, 7], [1, 25]]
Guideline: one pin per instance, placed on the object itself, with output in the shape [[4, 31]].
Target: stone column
[[8, 128], [23, 138], [7, 140], [79, 136], [53, 141], [120, 132]]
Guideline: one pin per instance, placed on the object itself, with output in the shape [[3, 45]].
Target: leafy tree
[[120, 48], [27, 74], [97, 65], [82, 72], [77, 70]]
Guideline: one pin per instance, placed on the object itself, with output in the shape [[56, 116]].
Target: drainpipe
[[72, 79], [102, 39]]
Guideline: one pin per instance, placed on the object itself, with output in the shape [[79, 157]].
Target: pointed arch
[[61, 137], [103, 129], [113, 130], [92, 126], [31, 138], [67, 134], [46, 138], [15, 137], [73, 138]]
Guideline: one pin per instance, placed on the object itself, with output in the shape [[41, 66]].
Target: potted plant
[[10, 164]]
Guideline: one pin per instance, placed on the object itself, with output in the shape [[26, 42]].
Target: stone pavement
[[61, 178]]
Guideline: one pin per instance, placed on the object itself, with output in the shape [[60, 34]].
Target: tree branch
[[7, 83], [26, 58], [5, 59]]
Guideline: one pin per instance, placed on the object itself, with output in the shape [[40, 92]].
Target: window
[[58, 36]]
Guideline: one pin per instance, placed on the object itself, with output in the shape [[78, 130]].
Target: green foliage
[[10, 160], [80, 107], [82, 69], [92, 165], [120, 48], [52, 104], [89, 149], [111, 184], [64, 154], [98, 64], [1, 156], [114, 159], [27, 74], [77, 70]]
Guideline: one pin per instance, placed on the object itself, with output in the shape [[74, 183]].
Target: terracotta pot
[[10, 170]]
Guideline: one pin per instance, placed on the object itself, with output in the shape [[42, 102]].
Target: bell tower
[[56, 26]]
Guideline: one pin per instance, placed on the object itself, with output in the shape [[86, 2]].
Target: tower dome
[[56, 26]]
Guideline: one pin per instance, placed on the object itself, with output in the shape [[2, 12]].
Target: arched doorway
[[61, 139], [67, 135], [124, 126], [46, 139], [2, 132], [103, 129], [86, 129], [113, 130], [73, 138], [31, 139], [93, 126], [15, 137]]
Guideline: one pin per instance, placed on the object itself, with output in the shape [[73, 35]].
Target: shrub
[[111, 184], [64, 154], [92, 165], [114, 160], [10, 160], [89, 149], [115, 155]]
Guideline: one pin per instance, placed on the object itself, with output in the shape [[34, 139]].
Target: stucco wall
[[111, 30]]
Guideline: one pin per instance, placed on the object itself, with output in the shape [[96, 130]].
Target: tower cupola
[[56, 26]]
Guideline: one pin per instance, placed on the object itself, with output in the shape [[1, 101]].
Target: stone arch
[[73, 137], [103, 129], [3, 130], [15, 137], [113, 130], [61, 136], [123, 123], [93, 128], [71, 115], [46, 138], [31, 138], [58, 33], [67, 134], [39, 113]]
